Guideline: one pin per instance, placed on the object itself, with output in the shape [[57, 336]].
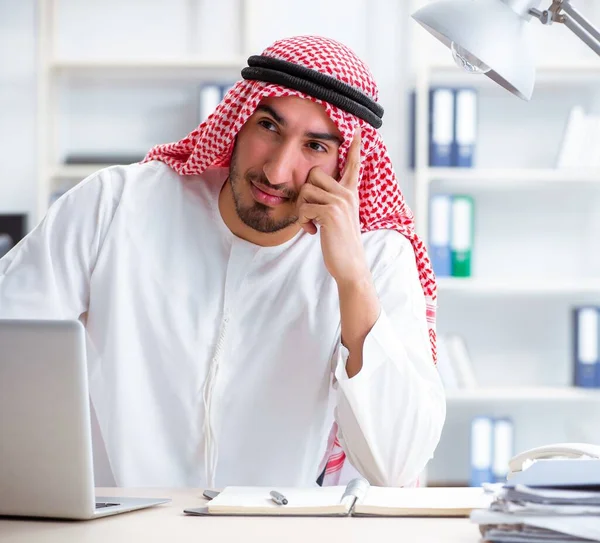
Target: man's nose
[[281, 167]]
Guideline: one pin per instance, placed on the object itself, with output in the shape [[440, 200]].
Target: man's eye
[[315, 146], [267, 124]]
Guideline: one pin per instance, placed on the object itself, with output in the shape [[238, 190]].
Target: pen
[[278, 498]]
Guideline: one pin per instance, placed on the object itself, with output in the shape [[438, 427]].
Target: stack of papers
[[559, 503]]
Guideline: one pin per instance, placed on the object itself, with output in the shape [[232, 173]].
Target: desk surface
[[168, 523]]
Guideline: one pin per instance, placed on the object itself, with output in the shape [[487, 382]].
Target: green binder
[[461, 241]]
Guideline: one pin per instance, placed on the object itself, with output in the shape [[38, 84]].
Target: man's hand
[[333, 205]]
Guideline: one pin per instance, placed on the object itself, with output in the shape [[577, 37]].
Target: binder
[[441, 126], [503, 448], [461, 236], [481, 451], [439, 234], [465, 126], [586, 358], [209, 97]]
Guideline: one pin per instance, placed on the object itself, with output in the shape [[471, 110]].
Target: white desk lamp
[[493, 37]]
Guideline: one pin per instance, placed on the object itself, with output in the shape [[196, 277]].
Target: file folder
[[210, 96], [441, 126], [439, 234], [481, 451], [586, 355], [461, 238], [465, 127], [503, 448]]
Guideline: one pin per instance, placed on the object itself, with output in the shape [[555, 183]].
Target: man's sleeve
[[390, 415], [47, 274]]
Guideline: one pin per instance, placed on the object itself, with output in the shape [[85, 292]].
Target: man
[[254, 295]]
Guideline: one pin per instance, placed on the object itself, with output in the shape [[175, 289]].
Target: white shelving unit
[[535, 227], [54, 71]]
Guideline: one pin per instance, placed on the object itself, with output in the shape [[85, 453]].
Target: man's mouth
[[266, 195]]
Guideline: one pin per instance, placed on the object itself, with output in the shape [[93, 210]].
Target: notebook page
[[425, 501], [244, 500]]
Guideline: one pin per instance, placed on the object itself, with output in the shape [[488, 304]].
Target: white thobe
[[213, 361]]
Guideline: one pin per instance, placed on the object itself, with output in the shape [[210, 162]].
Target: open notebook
[[358, 498]]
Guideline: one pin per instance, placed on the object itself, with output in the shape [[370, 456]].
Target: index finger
[[352, 167]]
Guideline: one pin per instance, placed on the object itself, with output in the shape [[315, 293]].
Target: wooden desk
[[168, 523]]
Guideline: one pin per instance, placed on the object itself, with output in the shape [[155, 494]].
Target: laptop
[[46, 465]]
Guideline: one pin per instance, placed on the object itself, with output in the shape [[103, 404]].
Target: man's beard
[[257, 215]]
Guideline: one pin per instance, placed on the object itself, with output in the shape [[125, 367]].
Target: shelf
[[73, 171], [500, 177], [534, 287], [192, 63], [146, 67], [521, 394], [546, 74]]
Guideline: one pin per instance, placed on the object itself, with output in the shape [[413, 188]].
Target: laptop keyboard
[[102, 505]]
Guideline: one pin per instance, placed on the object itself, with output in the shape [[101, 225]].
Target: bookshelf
[[533, 254], [56, 72]]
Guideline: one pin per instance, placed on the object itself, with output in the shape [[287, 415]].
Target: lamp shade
[[491, 31]]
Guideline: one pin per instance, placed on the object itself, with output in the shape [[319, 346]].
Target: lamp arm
[[561, 11]]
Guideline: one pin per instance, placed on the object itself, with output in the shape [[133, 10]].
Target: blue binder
[[441, 126], [586, 357], [465, 127], [440, 217], [503, 448], [482, 446]]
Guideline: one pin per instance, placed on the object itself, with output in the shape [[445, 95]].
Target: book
[[580, 139], [103, 158], [445, 366], [461, 361], [358, 498]]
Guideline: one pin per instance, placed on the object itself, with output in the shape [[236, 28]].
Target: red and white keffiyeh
[[382, 205]]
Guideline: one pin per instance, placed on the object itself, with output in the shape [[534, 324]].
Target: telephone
[[580, 451]]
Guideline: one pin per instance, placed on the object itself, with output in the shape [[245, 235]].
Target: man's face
[[274, 152]]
